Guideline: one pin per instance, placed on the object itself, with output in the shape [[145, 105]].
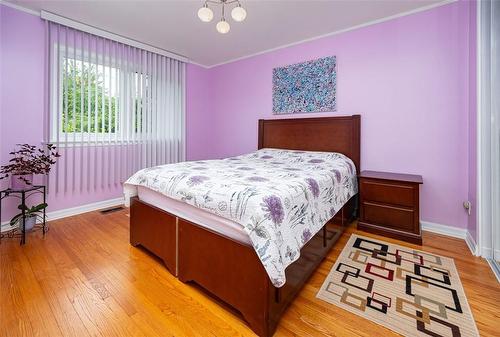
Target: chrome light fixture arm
[[222, 2]]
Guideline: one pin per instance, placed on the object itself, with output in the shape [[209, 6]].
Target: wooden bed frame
[[231, 270]]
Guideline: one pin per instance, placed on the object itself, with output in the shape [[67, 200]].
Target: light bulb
[[205, 14], [223, 27], [239, 13]]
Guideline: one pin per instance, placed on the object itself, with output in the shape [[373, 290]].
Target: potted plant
[[30, 215], [28, 160]]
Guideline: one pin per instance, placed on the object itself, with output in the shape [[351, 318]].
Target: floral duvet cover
[[282, 198]]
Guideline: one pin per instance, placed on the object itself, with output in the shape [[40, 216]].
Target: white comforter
[[281, 197]]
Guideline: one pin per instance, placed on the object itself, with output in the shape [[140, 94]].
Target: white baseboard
[[444, 229], [471, 243], [63, 213], [487, 252], [460, 233]]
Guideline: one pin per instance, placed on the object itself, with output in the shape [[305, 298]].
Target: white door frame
[[488, 165], [482, 190]]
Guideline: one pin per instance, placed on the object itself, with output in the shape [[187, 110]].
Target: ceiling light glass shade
[[239, 13], [205, 14], [223, 27]]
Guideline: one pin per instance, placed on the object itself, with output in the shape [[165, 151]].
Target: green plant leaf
[[38, 208], [14, 219], [21, 207]]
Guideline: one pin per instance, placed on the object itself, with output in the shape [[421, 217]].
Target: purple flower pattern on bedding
[[196, 180], [257, 179], [338, 175], [273, 208], [313, 186], [306, 235], [280, 203], [244, 168]]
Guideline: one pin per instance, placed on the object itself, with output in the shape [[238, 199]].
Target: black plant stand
[[23, 194]]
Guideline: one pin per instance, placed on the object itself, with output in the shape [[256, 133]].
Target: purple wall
[[22, 76], [405, 77], [199, 135], [22, 94]]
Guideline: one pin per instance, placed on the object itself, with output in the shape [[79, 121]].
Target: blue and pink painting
[[305, 87]]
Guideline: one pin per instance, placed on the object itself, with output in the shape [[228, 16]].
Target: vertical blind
[[113, 109]]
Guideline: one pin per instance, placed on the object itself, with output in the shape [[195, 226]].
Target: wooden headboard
[[330, 134]]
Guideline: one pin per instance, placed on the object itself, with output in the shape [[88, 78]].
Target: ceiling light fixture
[[238, 14]]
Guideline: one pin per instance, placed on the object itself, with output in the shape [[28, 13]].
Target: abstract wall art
[[305, 87]]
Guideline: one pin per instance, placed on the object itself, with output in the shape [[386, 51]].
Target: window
[[114, 108], [89, 96]]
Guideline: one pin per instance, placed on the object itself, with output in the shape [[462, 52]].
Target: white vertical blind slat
[[130, 111], [82, 90], [150, 112], [154, 119], [66, 108], [182, 113], [162, 115], [149, 161], [110, 112], [57, 100], [124, 113], [102, 112], [176, 106], [119, 112], [89, 107], [154, 135], [47, 101], [96, 111], [73, 119], [170, 112]]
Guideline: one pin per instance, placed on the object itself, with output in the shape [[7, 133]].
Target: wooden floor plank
[[14, 320], [84, 279]]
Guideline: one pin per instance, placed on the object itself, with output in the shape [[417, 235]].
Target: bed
[[251, 229]]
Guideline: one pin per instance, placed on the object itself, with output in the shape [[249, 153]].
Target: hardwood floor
[[84, 279]]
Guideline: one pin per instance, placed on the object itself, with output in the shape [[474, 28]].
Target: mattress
[[193, 214], [280, 198]]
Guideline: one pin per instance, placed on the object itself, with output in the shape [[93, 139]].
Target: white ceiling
[[173, 25]]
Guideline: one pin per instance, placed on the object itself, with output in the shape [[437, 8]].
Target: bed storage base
[[226, 268]]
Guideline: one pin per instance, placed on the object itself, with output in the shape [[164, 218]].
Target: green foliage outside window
[[84, 81]]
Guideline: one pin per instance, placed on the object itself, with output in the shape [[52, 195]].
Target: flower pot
[[28, 224], [21, 181]]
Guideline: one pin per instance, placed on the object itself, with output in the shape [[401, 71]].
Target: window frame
[[84, 138]]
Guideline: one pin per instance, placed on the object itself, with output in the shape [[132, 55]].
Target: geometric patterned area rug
[[411, 292]]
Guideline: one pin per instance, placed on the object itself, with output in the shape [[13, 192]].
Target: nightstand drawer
[[388, 192], [395, 217]]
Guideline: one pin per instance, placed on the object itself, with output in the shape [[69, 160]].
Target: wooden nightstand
[[389, 205]]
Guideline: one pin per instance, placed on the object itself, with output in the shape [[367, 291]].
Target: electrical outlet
[[467, 205]]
